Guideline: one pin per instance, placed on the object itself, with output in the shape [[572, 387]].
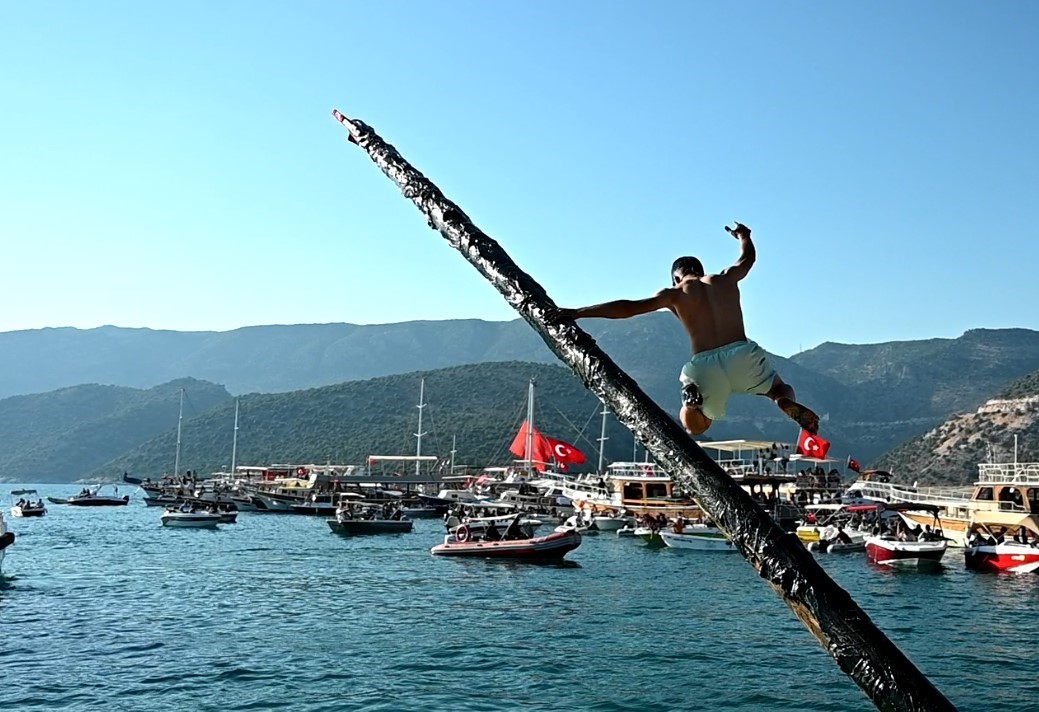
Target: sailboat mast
[[530, 426], [180, 418], [454, 449], [419, 434], [234, 442], [602, 436]]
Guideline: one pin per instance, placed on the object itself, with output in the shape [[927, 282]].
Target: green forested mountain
[[873, 397], [67, 433], [950, 452], [482, 406]]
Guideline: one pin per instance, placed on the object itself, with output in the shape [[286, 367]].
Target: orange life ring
[[301, 471], [462, 534]]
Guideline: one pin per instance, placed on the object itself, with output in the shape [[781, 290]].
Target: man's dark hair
[[685, 265]]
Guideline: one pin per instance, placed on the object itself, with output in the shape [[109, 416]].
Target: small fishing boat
[[25, 506], [901, 543], [6, 539], [512, 544], [186, 518], [698, 537], [988, 550]]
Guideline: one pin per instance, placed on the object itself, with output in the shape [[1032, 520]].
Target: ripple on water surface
[[105, 609]]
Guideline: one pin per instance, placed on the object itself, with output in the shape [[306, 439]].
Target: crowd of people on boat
[[29, 504], [899, 529], [1022, 535]]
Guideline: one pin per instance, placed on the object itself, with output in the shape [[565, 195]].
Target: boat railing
[[990, 505], [1008, 473]]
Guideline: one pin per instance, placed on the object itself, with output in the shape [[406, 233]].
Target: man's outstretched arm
[[624, 308], [747, 252]]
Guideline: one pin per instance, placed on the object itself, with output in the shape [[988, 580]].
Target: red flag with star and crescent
[[812, 445], [545, 449], [565, 453]]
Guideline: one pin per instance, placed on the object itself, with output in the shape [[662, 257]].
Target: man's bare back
[[724, 360], [709, 309]]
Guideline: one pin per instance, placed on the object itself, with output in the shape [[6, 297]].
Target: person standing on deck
[[724, 360]]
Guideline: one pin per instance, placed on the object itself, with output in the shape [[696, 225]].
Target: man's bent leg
[[784, 396], [694, 420]]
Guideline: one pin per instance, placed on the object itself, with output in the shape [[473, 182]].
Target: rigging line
[[518, 417], [580, 433]]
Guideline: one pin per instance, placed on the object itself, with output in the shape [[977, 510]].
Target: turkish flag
[[565, 453], [812, 445], [854, 465], [542, 450]]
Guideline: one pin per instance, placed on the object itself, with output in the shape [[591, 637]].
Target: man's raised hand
[[739, 232]]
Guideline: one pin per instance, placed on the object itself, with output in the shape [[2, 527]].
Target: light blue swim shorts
[[739, 367]]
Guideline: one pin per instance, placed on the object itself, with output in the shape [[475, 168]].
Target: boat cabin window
[[633, 490], [657, 489], [1033, 499], [984, 493]]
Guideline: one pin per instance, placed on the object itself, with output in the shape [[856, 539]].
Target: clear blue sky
[[176, 166]]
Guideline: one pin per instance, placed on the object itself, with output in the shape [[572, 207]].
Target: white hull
[[611, 524], [697, 541], [197, 520]]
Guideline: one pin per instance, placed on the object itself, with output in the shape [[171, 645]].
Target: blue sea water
[[104, 609]]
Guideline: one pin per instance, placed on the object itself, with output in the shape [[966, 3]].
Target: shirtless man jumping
[[724, 360]]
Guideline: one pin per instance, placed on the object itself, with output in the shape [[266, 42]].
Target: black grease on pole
[[861, 650]]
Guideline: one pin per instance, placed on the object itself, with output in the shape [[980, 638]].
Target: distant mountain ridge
[[69, 432], [872, 396]]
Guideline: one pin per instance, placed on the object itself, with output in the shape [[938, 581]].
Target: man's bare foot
[[800, 415]]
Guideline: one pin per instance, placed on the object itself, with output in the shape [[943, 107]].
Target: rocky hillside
[[949, 453]]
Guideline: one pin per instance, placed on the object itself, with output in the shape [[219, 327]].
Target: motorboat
[[96, 498], [612, 523], [699, 537], [189, 518], [513, 543], [628, 530], [1000, 549], [835, 539], [25, 506], [6, 539], [576, 524], [354, 527], [900, 542], [354, 518], [650, 535]]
